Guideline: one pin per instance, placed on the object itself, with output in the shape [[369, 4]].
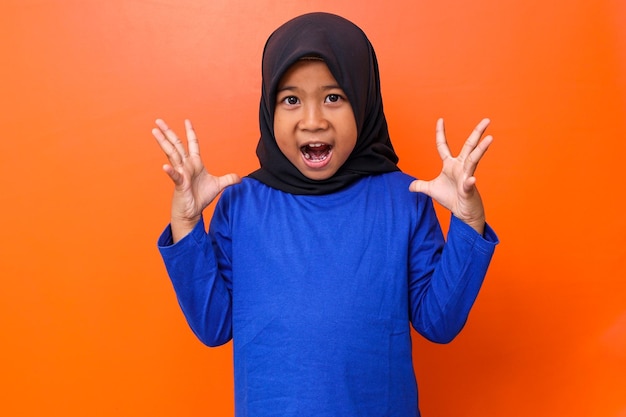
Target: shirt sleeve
[[442, 298], [204, 296]]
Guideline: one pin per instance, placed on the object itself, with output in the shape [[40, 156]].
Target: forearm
[[202, 293], [447, 299], [181, 228], [478, 225]]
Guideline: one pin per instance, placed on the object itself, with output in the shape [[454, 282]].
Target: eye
[[333, 98], [290, 100]]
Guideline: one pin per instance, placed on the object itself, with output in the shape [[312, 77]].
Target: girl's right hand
[[194, 187]]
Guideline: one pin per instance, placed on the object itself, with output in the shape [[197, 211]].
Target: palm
[[197, 187], [454, 188], [194, 187]]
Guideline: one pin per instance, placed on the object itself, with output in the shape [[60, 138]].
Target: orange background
[[90, 325]]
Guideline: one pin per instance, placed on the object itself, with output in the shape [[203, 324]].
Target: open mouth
[[316, 152]]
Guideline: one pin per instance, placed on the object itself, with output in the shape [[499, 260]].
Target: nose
[[313, 118]]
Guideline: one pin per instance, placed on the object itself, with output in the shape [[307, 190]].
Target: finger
[[469, 184], [170, 150], [471, 162], [227, 180], [172, 137], [192, 140], [174, 175], [474, 138], [440, 140], [419, 186]]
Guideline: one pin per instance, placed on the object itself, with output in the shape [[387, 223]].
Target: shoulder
[[247, 187], [396, 184], [243, 199], [392, 189], [394, 180], [248, 195]]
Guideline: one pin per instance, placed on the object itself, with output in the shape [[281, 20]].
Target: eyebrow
[[324, 88]]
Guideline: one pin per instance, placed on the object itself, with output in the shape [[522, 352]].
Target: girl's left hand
[[455, 187]]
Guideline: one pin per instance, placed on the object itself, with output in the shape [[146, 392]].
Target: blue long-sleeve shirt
[[317, 293]]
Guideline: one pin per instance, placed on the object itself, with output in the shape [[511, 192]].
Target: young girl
[[317, 263]]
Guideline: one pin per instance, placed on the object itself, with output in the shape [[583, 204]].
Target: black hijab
[[350, 58]]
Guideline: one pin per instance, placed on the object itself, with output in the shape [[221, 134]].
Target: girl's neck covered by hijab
[[351, 59]]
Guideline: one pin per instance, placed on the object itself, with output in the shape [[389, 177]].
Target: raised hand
[[455, 187], [194, 187]]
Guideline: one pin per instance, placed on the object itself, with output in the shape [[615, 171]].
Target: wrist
[[181, 227], [476, 224]]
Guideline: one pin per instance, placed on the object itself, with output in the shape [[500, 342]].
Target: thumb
[[227, 180], [419, 186]]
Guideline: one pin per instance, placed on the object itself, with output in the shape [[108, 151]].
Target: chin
[[318, 176]]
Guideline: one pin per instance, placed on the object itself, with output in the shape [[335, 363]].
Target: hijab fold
[[350, 58]]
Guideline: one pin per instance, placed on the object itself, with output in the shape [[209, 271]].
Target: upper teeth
[[314, 145]]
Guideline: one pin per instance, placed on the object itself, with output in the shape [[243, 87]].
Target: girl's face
[[314, 125]]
